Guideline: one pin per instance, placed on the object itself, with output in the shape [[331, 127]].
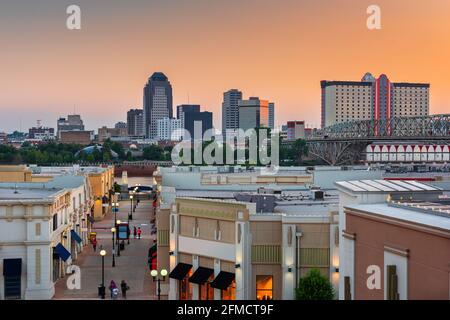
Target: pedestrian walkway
[[131, 266]]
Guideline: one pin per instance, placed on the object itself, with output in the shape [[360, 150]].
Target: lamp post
[[117, 237], [130, 216], [113, 230], [102, 290], [115, 206], [163, 274]]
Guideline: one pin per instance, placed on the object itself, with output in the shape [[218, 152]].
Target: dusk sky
[[275, 49]]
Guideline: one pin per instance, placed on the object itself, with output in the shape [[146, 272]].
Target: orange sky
[[276, 49]]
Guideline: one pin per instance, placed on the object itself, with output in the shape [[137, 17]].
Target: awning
[[223, 280], [62, 252], [180, 271], [201, 275], [75, 236], [12, 267]]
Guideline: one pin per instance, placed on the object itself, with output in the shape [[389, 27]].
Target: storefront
[[203, 278], [264, 287], [12, 273], [226, 284], [182, 272]]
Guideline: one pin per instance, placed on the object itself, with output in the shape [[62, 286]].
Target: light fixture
[[171, 253], [164, 272], [154, 273], [113, 229], [289, 269], [336, 269], [237, 265], [118, 221], [103, 253]]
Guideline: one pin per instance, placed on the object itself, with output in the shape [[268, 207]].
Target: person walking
[[135, 232], [139, 232], [124, 286], [94, 244], [112, 286]]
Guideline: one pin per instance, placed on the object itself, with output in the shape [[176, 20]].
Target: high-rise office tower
[[202, 118], [184, 108], [230, 110], [135, 122], [157, 103], [271, 115], [253, 113], [372, 99]]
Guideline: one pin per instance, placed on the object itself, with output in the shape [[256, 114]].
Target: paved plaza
[[131, 266]]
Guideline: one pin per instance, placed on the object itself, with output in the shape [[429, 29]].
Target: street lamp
[[130, 216], [115, 206], [102, 288], [117, 237], [163, 274], [113, 230]]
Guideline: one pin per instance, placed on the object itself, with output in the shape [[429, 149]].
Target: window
[[55, 222], [264, 287], [186, 287], [206, 292], [230, 293]]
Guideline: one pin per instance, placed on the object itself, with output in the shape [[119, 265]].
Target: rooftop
[[56, 182], [27, 194], [405, 213], [384, 186]]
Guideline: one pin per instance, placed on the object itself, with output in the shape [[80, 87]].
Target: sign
[[115, 209], [122, 233]]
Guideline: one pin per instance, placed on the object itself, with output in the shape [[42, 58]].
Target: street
[[131, 266]]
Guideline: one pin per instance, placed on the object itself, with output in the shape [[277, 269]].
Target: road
[[131, 266]]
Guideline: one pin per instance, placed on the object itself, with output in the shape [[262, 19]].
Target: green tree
[[314, 286], [153, 152]]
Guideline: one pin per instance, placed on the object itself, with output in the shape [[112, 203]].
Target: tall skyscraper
[[135, 122], [157, 103], [190, 118], [253, 113], [372, 99], [230, 110], [182, 109], [271, 115]]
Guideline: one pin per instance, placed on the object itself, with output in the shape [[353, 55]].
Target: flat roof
[[405, 214], [27, 194], [385, 186], [56, 182]]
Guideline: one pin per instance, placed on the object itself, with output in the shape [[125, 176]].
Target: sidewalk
[[131, 266]]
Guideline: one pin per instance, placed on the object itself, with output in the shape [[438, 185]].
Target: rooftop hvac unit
[[317, 194]]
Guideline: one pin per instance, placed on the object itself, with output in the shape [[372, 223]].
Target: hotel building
[[372, 99]]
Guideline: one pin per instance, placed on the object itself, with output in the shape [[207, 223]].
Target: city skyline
[[103, 67]]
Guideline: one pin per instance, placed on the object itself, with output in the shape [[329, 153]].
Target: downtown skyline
[[207, 50]]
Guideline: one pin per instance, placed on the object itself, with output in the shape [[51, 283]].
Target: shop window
[[230, 293], [186, 287], [206, 291], [264, 287]]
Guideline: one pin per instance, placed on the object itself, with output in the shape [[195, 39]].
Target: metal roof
[[384, 186]]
